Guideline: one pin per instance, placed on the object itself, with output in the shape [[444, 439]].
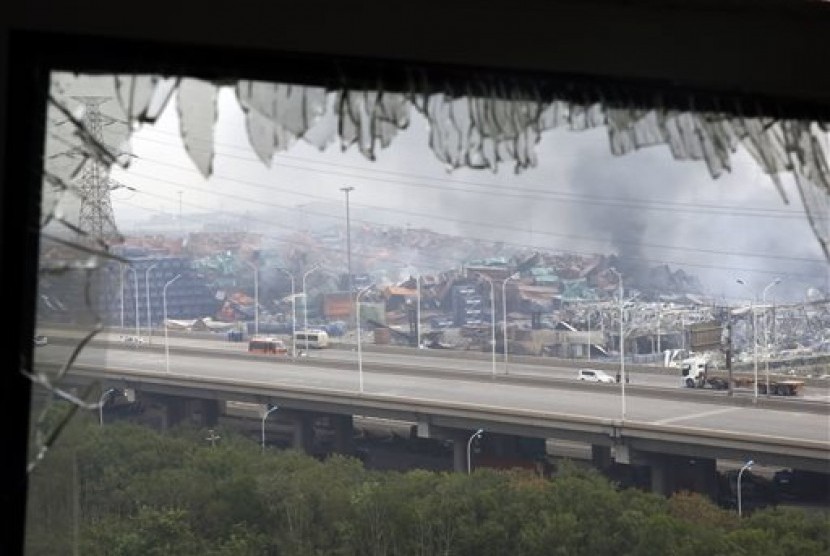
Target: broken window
[[489, 126]]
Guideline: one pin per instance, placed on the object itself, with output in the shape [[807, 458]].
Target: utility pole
[[348, 190], [181, 229], [728, 352], [621, 378]]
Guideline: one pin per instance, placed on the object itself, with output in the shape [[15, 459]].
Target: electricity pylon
[[95, 216]]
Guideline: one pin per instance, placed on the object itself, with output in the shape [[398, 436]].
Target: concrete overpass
[[679, 436]]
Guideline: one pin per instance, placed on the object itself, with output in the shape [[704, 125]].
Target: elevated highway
[[450, 398]]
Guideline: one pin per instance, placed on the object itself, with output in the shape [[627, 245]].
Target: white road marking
[[696, 415]]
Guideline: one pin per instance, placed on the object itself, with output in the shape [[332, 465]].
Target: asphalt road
[[473, 363], [602, 402]]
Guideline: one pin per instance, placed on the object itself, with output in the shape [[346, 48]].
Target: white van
[[594, 375], [312, 339]]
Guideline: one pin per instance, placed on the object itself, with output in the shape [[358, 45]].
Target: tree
[[150, 532]]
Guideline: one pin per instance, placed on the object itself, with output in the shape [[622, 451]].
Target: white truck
[[695, 372]]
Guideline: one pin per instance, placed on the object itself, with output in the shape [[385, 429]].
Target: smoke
[[649, 210], [646, 207]]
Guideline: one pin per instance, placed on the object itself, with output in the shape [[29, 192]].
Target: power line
[[469, 222], [527, 194], [491, 226]]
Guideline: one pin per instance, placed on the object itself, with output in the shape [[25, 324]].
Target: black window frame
[[33, 55]]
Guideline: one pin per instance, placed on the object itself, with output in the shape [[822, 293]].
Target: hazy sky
[[580, 198]]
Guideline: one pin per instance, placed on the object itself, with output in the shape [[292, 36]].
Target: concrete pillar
[[459, 455], [502, 446], [211, 410], [509, 450], [303, 437], [700, 475], [671, 473], [661, 475], [343, 426], [175, 411], [601, 456]]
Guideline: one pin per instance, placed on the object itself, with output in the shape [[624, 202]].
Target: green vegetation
[[125, 490]]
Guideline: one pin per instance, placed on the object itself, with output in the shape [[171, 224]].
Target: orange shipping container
[[336, 306]]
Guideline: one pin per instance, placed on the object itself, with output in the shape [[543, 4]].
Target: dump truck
[[696, 372]]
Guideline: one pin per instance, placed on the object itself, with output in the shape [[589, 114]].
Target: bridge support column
[[459, 455], [601, 456], [174, 410], [303, 437], [460, 440], [213, 409], [501, 446], [173, 413], [662, 475], [343, 434], [671, 473]]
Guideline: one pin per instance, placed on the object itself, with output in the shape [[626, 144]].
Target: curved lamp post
[[766, 330], [418, 311], [475, 435], [622, 343], [305, 303], [135, 287], [212, 438], [147, 294], [166, 342], [271, 409], [255, 268], [504, 314], [754, 340], [492, 321], [350, 282], [101, 405], [590, 343], [121, 268], [746, 466], [293, 314], [359, 352]]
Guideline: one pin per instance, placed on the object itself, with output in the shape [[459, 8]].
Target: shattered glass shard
[[134, 93], [197, 116]]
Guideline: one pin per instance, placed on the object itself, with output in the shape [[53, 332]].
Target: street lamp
[[622, 343], [746, 466], [164, 303], [504, 314], [588, 312], [475, 435], [101, 405], [147, 292], [293, 314], [754, 340], [348, 190], [659, 318], [305, 304], [271, 409], [492, 321], [121, 267], [418, 310], [212, 438], [359, 352], [135, 287], [766, 330], [255, 268]]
